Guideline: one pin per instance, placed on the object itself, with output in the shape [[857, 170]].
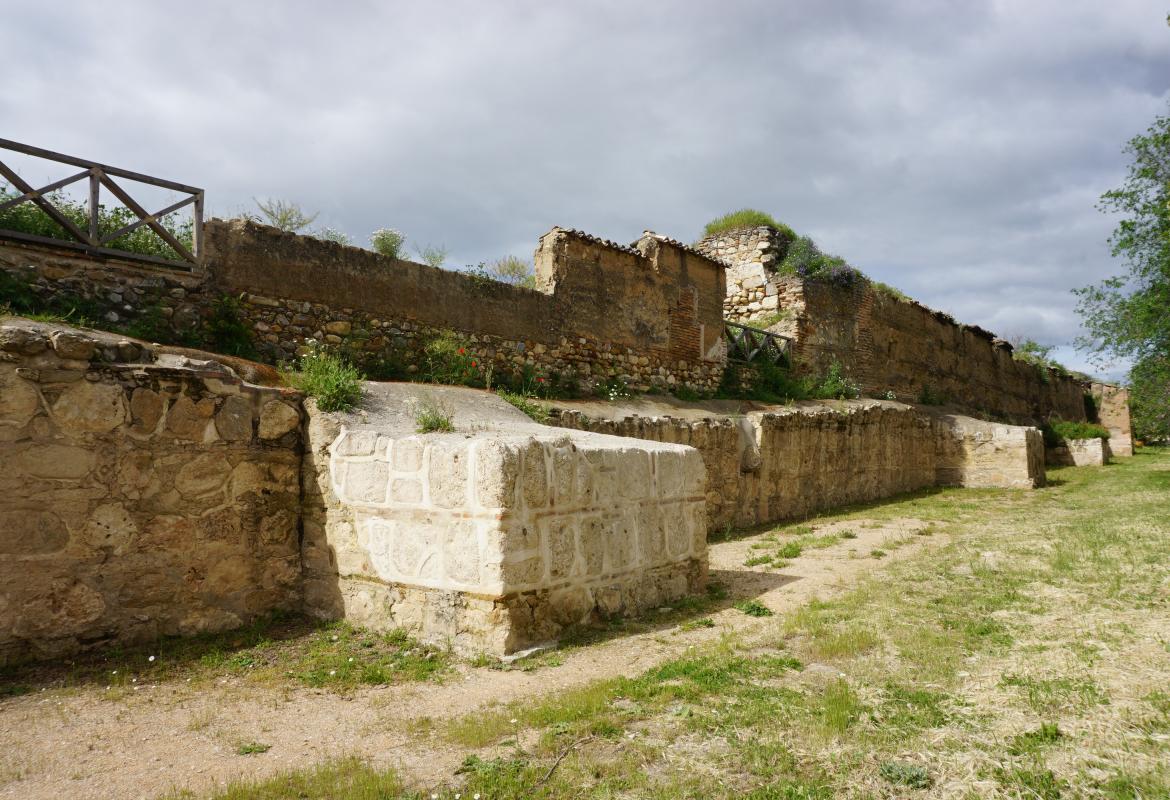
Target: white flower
[[332, 672], [514, 721], [150, 659]]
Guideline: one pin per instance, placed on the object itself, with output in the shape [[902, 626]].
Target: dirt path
[[77, 744]]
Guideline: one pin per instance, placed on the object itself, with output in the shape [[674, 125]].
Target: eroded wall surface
[[496, 540], [138, 497]]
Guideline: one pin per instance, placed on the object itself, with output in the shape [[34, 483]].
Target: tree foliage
[[1128, 315]]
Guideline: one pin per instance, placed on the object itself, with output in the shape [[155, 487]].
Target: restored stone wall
[[885, 343], [496, 539], [788, 463], [141, 495], [1113, 413]]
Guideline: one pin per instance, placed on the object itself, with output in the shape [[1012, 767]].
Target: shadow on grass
[[724, 590], [167, 658]]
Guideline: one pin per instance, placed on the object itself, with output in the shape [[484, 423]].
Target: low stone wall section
[[1113, 413], [790, 462], [142, 494]]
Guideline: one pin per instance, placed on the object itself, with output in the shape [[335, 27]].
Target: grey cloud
[[954, 150]]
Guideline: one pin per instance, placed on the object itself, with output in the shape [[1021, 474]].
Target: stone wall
[[142, 494], [499, 536], [790, 462], [1080, 453], [886, 343], [603, 310], [1113, 413], [649, 313]]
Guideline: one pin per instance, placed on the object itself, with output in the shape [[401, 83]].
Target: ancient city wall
[[139, 497], [885, 343], [789, 463], [648, 313], [496, 537]]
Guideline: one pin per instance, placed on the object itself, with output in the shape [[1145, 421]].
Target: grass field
[[1025, 656]]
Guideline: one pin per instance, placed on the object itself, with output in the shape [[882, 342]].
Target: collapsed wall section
[[141, 495], [497, 538]]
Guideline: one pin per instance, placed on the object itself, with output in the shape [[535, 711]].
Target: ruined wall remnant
[[886, 343], [497, 537], [141, 495], [1113, 412], [1081, 453], [785, 463]]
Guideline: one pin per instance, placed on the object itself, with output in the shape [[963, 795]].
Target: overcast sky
[[954, 150]]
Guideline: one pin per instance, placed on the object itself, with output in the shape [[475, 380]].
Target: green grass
[[536, 410], [433, 416], [252, 748], [745, 218], [280, 650], [341, 779]]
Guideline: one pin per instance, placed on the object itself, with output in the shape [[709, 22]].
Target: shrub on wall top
[[745, 218]]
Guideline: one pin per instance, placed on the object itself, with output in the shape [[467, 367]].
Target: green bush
[[929, 396], [327, 376], [1060, 431], [28, 218], [805, 260], [227, 332], [746, 218]]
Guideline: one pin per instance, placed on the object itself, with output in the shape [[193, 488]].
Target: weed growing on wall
[[283, 214], [836, 385], [432, 256], [432, 415], [226, 330], [536, 410], [448, 358], [805, 260], [929, 396], [330, 378], [388, 242]]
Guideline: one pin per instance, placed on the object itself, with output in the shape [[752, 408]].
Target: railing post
[[95, 191], [197, 229]]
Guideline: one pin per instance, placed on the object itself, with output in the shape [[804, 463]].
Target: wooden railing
[[746, 344], [92, 239]]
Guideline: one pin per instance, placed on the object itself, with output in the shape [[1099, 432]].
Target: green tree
[[513, 270], [1128, 315]]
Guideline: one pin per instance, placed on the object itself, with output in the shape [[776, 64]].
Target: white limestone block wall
[[498, 540]]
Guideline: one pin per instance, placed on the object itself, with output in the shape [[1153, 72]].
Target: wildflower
[[150, 659], [514, 721], [332, 672], [461, 351], [475, 363]]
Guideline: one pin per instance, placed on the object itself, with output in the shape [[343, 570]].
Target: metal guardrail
[[92, 240], [747, 344]]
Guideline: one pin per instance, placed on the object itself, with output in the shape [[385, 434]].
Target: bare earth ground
[[76, 743]]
